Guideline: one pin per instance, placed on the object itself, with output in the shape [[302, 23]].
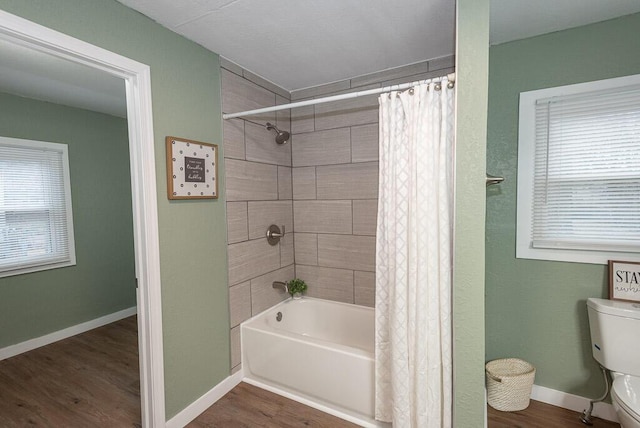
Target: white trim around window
[[579, 172]]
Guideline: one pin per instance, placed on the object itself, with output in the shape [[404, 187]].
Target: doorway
[[136, 77]]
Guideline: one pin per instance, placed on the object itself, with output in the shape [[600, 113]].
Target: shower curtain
[[413, 257]]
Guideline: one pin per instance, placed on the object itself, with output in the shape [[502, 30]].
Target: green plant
[[296, 285]]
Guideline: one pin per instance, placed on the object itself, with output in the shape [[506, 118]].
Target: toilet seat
[[625, 391]]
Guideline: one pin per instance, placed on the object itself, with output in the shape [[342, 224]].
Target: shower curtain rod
[[451, 78]]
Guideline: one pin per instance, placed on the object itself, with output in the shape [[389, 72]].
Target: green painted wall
[[103, 280], [472, 59], [536, 310], [185, 83]]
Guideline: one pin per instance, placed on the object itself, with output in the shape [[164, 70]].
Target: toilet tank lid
[[615, 307]]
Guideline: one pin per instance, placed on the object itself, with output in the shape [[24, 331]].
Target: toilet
[[615, 340]]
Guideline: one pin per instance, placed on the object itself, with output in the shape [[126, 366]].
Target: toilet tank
[[615, 334]]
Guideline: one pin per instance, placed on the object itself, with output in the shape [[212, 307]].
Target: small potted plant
[[296, 287]]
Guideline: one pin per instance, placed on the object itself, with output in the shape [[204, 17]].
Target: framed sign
[[192, 169], [624, 281]]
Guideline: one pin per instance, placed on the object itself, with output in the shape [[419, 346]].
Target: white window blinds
[[579, 172], [587, 171], [36, 226]]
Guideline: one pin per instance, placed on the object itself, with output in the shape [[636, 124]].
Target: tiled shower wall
[[259, 193], [323, 185], [335, 183]]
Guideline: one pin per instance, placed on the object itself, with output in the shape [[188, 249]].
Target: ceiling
[[33, 74], [296, 43]]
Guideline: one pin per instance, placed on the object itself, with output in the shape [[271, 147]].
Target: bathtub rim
[[253, 323], [302, 300]]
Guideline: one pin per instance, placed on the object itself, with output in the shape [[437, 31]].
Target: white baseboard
[[572, 402], [193, 410], [31, 344]]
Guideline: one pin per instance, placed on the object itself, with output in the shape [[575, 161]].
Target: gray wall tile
[[286, 245], [302, 119], [237, 222], [323, 217], [392, 73], [250, 181], [239, 303], [306, 248], [260, 81], [285, 183], [250, 259], [322, 147], [365, 288], [442, 62], [365, 215], [320, 90], [350, 112], [327, 283], [352, 181], [347, 252], [261, 146], [233, 138], [263, 295], [239, 94], [304, 183], [417, 77], [364, 143], [235, 346], [264, 214], [230, 65], [283, 117]]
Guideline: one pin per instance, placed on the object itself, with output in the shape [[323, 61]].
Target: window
[[579, 172], [36, 223]]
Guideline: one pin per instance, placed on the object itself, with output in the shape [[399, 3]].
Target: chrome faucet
[[282, 285]]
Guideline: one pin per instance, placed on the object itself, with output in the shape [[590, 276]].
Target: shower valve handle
[[274, 234]]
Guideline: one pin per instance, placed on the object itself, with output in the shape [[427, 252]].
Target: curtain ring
[[450, 85], [437, 86], [411, 91]]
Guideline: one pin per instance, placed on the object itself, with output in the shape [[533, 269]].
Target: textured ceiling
[[297, 44], [300, 43]]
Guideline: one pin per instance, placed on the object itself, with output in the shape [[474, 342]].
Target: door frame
[[143, 188]]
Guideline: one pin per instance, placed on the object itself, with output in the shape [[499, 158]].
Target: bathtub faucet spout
[[281, 285]]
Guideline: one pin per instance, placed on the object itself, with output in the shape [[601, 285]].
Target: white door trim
[[143, 186]]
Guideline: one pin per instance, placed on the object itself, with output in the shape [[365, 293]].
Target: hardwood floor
[[249, 406], [89, 380], [542, 415], [92, 380]]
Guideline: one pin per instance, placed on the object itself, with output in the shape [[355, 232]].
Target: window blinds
[[35, 206], [587, 171]]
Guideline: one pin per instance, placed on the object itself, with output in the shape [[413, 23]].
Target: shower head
[[281, 136]]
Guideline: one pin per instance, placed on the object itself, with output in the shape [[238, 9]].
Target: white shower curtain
[[413, 257]]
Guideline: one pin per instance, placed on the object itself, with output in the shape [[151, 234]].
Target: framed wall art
[[192, 169], [624, 281]]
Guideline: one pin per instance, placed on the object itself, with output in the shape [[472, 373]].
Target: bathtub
[[320, 353]]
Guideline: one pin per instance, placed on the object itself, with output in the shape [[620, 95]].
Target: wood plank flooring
[[92, 380], [542, 415], [249, 406], [89, 380]]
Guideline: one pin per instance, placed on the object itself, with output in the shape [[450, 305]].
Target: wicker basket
[[509, 383]]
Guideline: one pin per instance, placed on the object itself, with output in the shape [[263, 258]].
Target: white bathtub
[[320, 353]]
